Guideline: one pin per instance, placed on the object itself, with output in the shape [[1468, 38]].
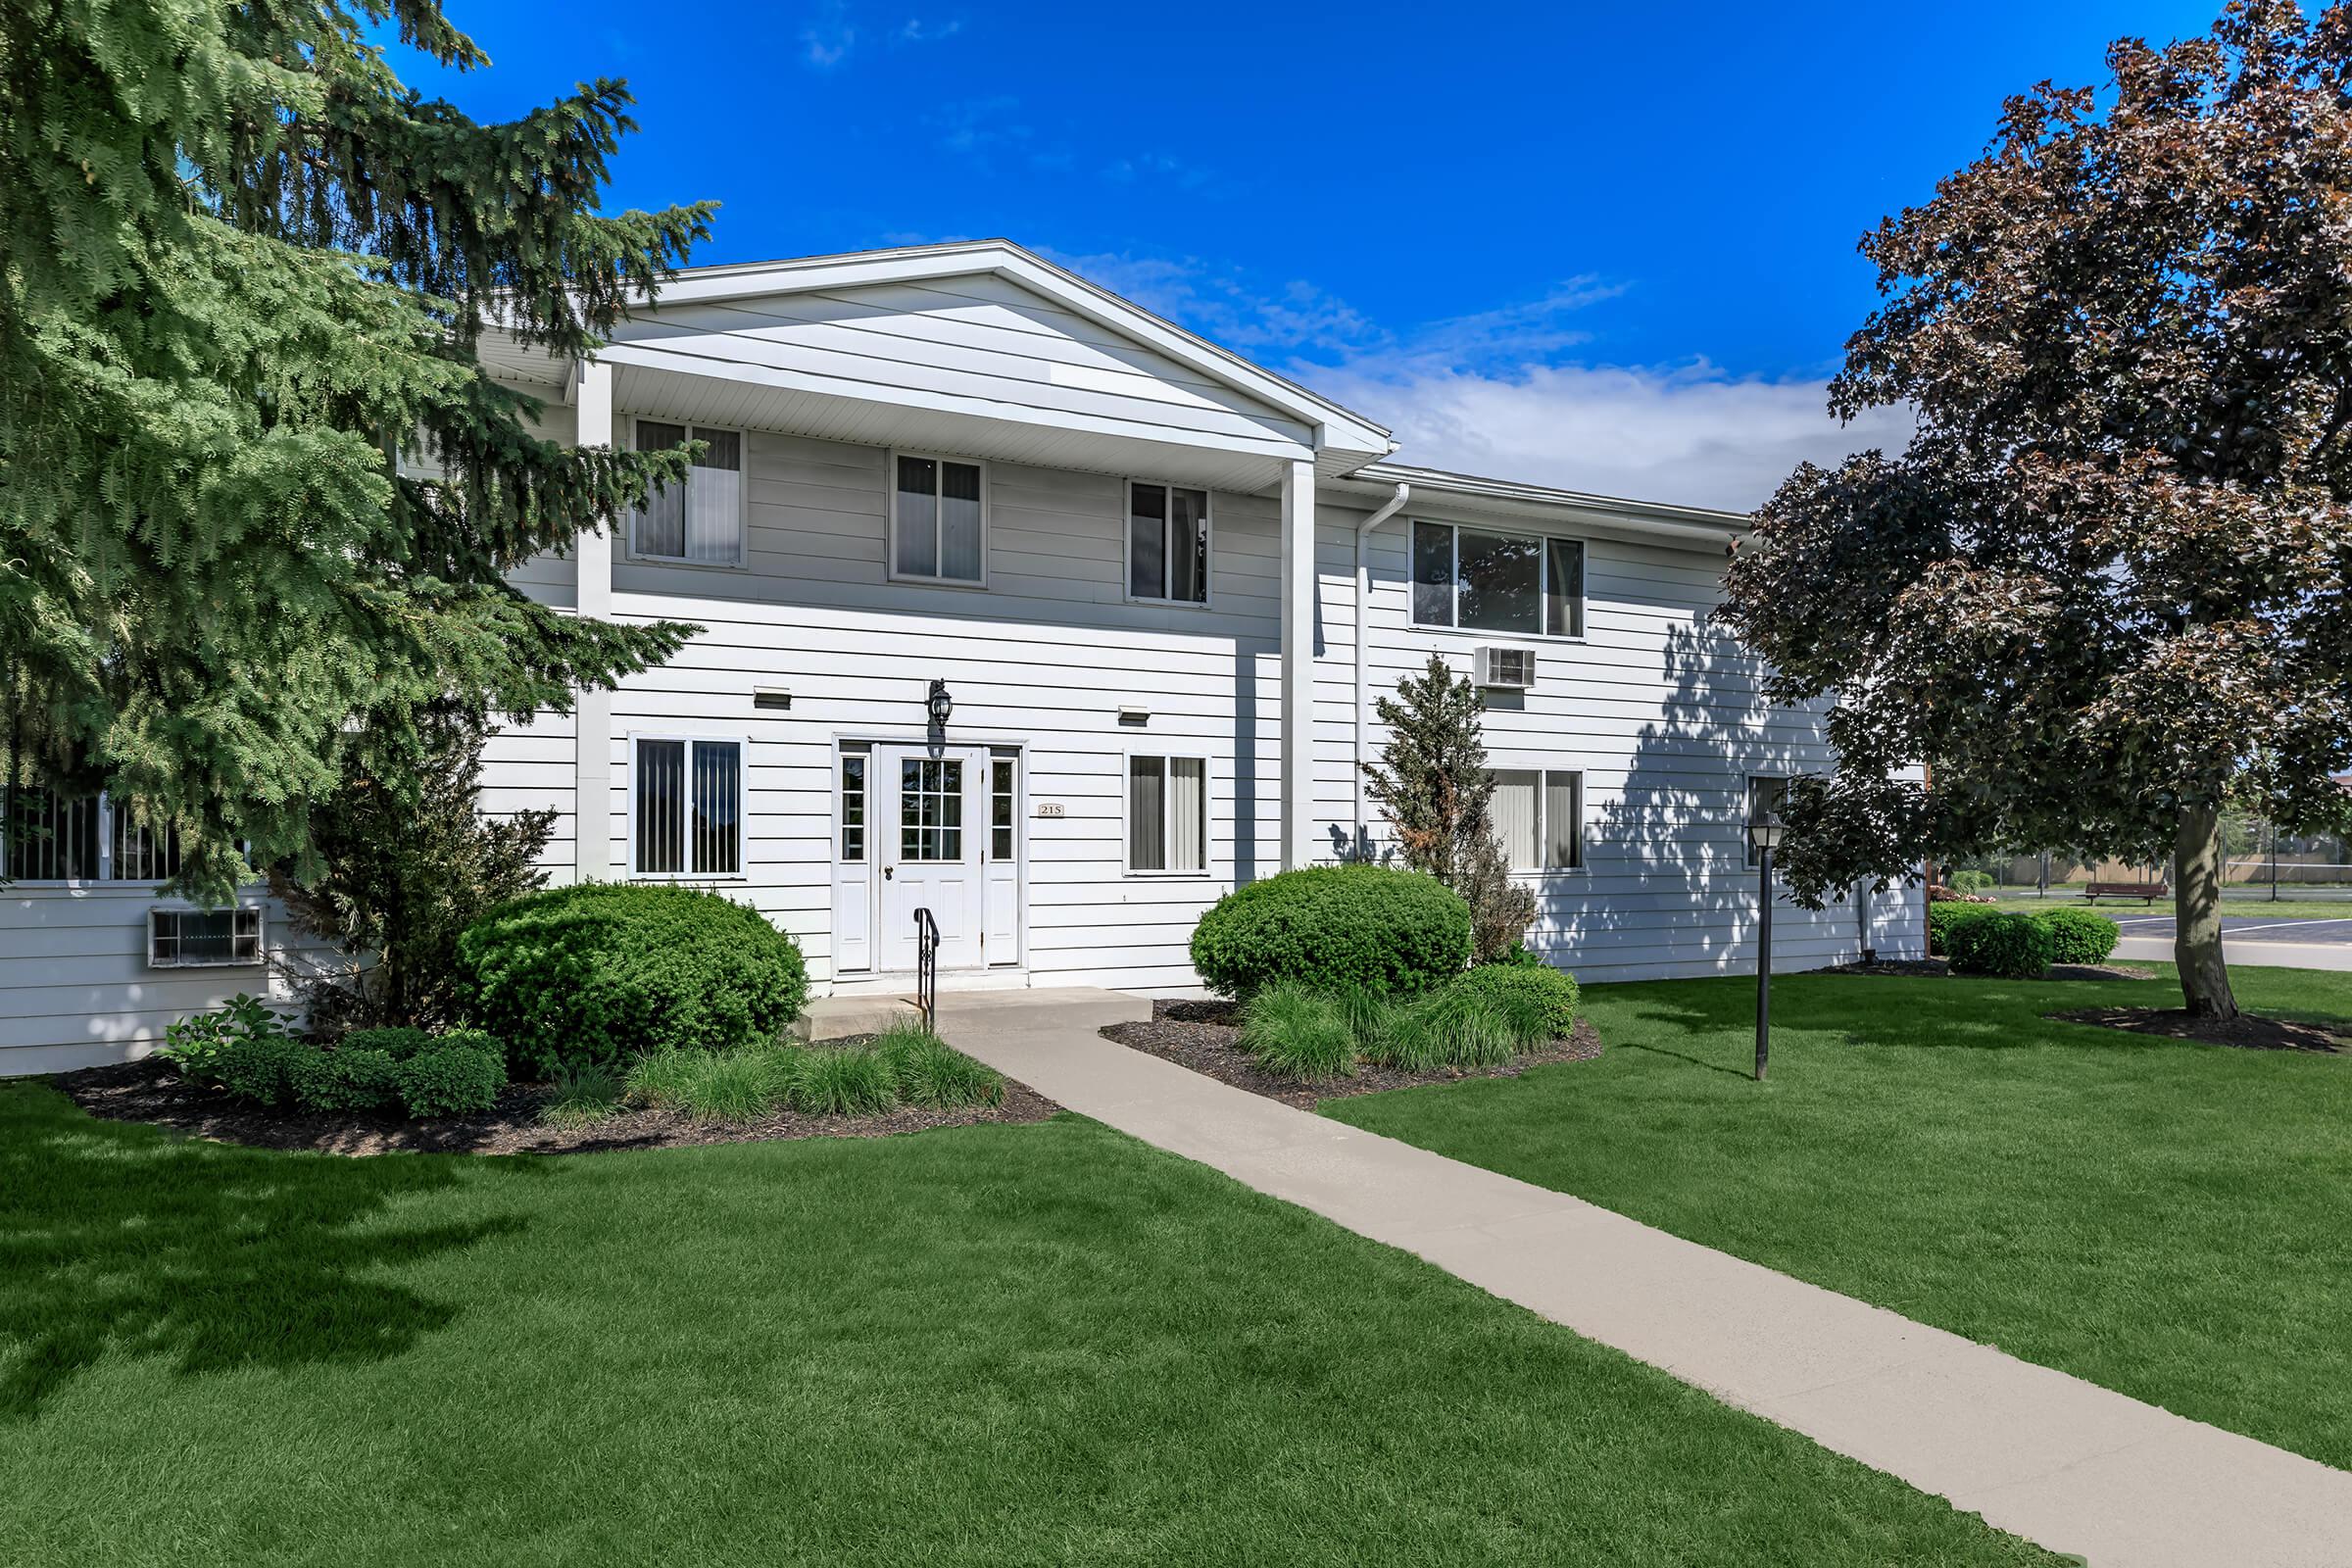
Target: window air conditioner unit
[[1509, 669]]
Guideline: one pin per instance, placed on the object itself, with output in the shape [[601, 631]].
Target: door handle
[[886, 870]]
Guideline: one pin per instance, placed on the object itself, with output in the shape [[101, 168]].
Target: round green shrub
[[1943, 918], [1972, 882], [1538, 1005], [459, 1074], [397, 1043], [1392, 933], [2010, 947], [2078, 936], [259, 1067], [600, 972], [343, 1080]]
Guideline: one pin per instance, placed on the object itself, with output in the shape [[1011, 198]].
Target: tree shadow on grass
[[122, 1237]]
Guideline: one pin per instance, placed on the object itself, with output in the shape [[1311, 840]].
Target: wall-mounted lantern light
[[939, 704]]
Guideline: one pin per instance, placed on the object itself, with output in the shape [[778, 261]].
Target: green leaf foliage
[[341, 1080], [1943, 918], [2078, 936], [1293, 1030], [1393, 933], [457, 1075], [600, 972], [2009, 946], [1538, 1004], [259, 498]]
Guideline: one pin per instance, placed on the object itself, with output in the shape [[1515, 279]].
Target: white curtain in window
[[1514, 812], [713, 523], [1563, 821], [1188, 811]]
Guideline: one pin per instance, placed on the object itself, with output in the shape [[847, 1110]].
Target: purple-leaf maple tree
[[2104, 589]]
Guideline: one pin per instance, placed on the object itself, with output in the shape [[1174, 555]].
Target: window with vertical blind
[[69, 836], [1478, 579], [686, 805], [1167, 814], [1538, 815], [700, 520], [1167, 543], [938, 520]]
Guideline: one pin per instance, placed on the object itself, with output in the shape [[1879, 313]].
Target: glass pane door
[[930, 809]]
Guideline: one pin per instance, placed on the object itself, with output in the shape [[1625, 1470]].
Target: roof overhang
[[1435, 490]]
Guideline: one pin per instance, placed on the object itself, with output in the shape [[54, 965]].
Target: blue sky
[[1602, 246]]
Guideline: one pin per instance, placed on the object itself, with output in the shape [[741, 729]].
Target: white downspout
[[1363, 616]]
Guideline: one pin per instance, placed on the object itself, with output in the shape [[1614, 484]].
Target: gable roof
[[1338, 429]]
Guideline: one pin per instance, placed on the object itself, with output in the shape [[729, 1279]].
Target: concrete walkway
[[2063, 1462]]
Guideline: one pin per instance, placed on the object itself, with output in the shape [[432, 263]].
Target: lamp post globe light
[[1764, 832]]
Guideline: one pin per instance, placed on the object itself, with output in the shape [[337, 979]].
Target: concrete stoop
[[837, 1017]]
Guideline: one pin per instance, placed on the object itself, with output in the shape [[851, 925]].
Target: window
[[936, 520], [1523, 585], [1540, 817], [1167, 543], [931, 809], [852, 806], [53, 836], [688, 807], [1000, 809], [1764, 794], [701, 519], [196, 938], [1167, 814]]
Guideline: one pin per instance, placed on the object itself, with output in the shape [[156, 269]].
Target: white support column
[[592, 714], [1297, 705]]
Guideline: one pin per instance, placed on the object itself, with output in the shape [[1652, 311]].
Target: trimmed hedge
[[400, 1043], [2010, 947], [458, 1074], [1393, 933], [1539, 1003], [1941, 918], [2079, 936], [446, 1075], [594, 974]]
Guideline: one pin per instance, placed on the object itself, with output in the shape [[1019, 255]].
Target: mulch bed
[[2245, 1031], [1199, 1035], [151, 1091], [1942, 967]]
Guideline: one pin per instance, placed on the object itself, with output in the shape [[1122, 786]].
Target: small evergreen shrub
[[343, 1080], [1392, 933], [259, 1067], [1538, 1006], [459, 1074], [1943, 918], [933, 1074], [846, 1081], [2078, 936], [600, 972], [400, 1042], [1295, 1031], [2009, 946], [1461, 1028]]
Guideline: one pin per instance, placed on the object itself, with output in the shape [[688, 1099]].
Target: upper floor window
[[1540, 817], [1167, 543], [1474, 579], [60, 836], [937, 520], [687, 808], [700, 520]]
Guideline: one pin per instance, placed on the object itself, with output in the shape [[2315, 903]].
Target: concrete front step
[[835, 1017]]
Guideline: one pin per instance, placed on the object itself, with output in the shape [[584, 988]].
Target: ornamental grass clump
[[1460, 1027], [934, 1075], [583, 1096], [723, 1086], [1295, 1031], [842, 1081]]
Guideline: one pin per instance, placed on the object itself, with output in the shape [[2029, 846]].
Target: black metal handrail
[[926, 966]]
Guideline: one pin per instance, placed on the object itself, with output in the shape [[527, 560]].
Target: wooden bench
[[2145, 892]]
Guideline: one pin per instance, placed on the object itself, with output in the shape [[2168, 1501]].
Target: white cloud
[[1690, 434], [916, 30], [829, 37]]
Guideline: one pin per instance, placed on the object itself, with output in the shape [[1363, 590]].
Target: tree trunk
[[2197, 915]]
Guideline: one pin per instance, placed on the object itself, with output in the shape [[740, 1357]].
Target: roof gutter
[[1363, 616]]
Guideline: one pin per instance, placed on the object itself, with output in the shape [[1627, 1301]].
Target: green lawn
[[991, 1345], [2171, 1221]]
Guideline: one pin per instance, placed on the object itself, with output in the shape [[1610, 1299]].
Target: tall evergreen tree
[[1434, 787], [243, 274]]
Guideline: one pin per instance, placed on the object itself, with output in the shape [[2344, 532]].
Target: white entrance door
[[932, 805]]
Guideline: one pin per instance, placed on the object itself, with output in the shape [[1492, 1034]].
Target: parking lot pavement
[[2332, 931]]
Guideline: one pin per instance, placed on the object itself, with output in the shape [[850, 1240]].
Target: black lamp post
[[939, 704], [1764, 832]]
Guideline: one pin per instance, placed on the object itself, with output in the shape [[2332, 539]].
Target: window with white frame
[[1167, 543], [68, 836], [1767, 795], [699, 520], [1480, 580], [686, 801], [854, 797], [203, 938], [1538, 815], [937, 520], [1167, 814]]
